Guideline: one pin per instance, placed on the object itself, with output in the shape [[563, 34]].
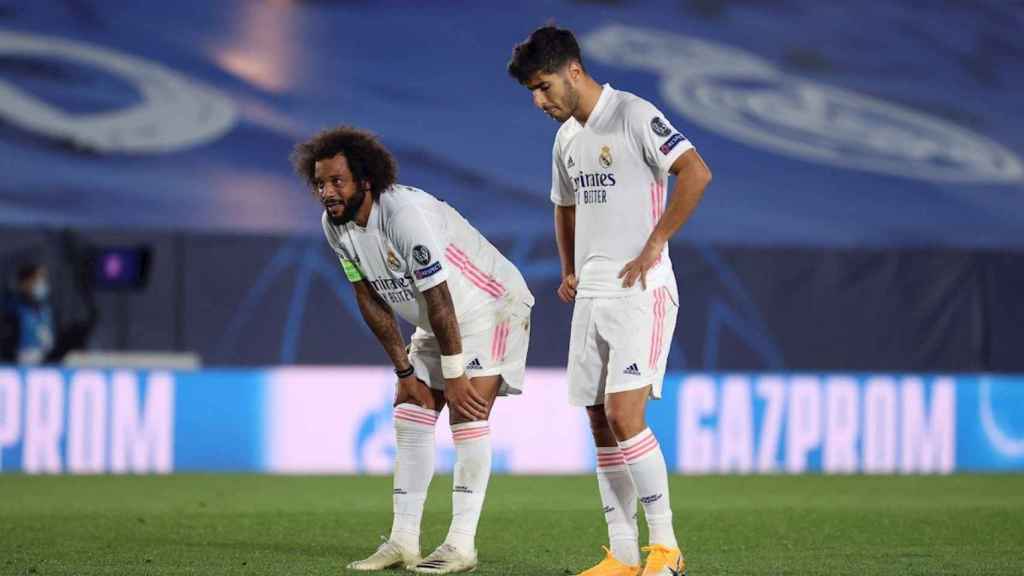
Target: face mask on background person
[[40, 291]]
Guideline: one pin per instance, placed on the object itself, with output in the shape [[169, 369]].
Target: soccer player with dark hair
[[405, 251], [611, 160]]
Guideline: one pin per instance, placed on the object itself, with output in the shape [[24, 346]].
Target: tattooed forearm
[[443, 320], [378, 316]]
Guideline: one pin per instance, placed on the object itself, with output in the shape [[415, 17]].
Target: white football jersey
[[615, 171], [413, 242]]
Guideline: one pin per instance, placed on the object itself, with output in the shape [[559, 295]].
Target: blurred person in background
[[27, 334], [405, 251], [610, 165], [49, 307]]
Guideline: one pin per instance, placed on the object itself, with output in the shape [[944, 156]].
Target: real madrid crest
[[393, 261], [606, 157]]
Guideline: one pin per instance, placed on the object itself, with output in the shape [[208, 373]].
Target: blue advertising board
[[338, 420]]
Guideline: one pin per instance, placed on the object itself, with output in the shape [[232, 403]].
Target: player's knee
[[624, 423], [598, 420], [599, 427]]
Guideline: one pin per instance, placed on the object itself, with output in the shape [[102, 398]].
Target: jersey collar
[[602, 103]]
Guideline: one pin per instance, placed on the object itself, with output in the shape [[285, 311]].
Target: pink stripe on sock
[[641, 450], [417, 409], [632, 443], [415, 417], [423, 415], [463, 435]]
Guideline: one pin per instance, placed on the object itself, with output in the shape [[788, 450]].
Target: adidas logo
[[632, 370], [462, 489], [474, 365], [571, 163]]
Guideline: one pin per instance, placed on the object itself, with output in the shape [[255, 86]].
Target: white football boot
[[446, 559], [388, 555]]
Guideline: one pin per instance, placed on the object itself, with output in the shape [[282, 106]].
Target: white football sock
[[618, 495], [472, 471], [414, 467], [650, 476]]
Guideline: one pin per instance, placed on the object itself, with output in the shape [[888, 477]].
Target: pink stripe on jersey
[[490, 281], [657, 201], [661, 199], [475, 275], [477, 278], [654, 203]]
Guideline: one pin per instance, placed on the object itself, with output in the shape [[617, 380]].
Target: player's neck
[[590, 93], [363, 215]]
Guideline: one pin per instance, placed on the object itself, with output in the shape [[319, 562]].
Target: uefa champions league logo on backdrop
[[751, 100], [175, 112], [1002, 441]]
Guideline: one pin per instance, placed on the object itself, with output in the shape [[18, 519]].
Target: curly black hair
[[547, 50], [368, 159]]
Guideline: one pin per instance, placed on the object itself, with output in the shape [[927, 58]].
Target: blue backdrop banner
[[338, 420]]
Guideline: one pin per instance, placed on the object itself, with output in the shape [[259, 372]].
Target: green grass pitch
[[231, 524]]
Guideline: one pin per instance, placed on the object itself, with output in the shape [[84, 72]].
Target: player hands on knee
[[407, 253]]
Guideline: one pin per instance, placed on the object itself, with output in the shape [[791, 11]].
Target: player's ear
[[575, 70]]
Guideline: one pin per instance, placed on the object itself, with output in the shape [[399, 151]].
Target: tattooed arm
[[460, 393]]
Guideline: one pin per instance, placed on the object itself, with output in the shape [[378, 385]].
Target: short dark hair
[[27, 270], [367, 158], [547, 50]]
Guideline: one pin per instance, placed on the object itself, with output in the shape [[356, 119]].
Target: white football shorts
[[499, 349], [620, 344]]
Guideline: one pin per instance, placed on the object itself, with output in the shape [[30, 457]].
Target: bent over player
[[610, 166], [405, 251]]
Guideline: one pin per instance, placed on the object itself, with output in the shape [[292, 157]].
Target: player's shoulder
[[399, 197], [634, 107], [399, 203]]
